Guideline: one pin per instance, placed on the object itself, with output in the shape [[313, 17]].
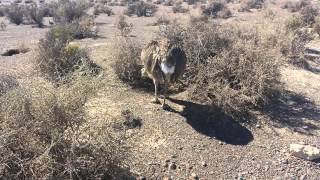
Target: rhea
[[164, 62]]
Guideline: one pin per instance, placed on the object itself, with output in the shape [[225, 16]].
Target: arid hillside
[[74, 105]]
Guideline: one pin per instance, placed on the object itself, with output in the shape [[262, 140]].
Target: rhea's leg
[[164, 105], [156, 84]]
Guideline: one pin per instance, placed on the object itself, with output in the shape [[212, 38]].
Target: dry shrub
[[44, 135], [7, 83], [294, 23], [123, 26], [15, 14], [126, 58], [162, 20], [168, 3], [56, 59], [68, 10], [197, 19], [102, 9], [178, 8], [251, 4], [36, 15], [295, 5], [234, 68], [316, 26], [309, 14], [217, 9], [141, 8]]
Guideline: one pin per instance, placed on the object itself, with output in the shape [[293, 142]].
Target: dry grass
[[126, 58], [57, 59], [217, 9], [295, 5], [69, 11], [123, 26], [141, 8], [233, 68], [251, 4], [43, 134]]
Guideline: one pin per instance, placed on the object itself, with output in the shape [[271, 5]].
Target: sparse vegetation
[[43, 135], [123, 26], [126, 57], [140, 8], [36, 14], [178, 8], [102, 9], [217, 9], [57, 59], [251, 4], [295, 5], [7, 83], [309, 14], [225, 64], [3, 26], [162, 20], [15, 14], [69, 11]]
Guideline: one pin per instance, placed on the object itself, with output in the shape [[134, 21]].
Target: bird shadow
[[213, 123], [294, 111]]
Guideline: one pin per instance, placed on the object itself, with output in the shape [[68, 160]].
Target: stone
[[194, 176], [303, 177], [258, 126], [173, 166], [204, 164], [306, 152], [167, 178]]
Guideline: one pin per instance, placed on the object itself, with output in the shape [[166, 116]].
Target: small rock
[[194, 176], [258, 126], [221, 143], [266, 168], [204, 164], [142, 178], [303, 177], [173, 166], [167, 178], [180, 148], [258, 166], [211, 172], [306, 152]]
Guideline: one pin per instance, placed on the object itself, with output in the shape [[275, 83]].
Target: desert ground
[[189, 142]]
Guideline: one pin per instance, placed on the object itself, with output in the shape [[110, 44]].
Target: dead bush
[[309, 14], [56, 59], [233, 68], [2, 12], [294, 23], [168, 3], [197, 19], [7, 83], [178, 8], [126, 58], [15, 14], [69, 11], [44, 135], [123, 26], [251, 4], [36, 15], [162, 20], [102, 9], [141, 8], [295, 5], [217, 9], [316, 26]]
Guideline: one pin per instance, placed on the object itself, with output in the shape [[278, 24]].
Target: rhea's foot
[[156, 101]]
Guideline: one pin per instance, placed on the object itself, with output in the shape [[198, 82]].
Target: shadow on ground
[[214, 123], [295, 112]]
